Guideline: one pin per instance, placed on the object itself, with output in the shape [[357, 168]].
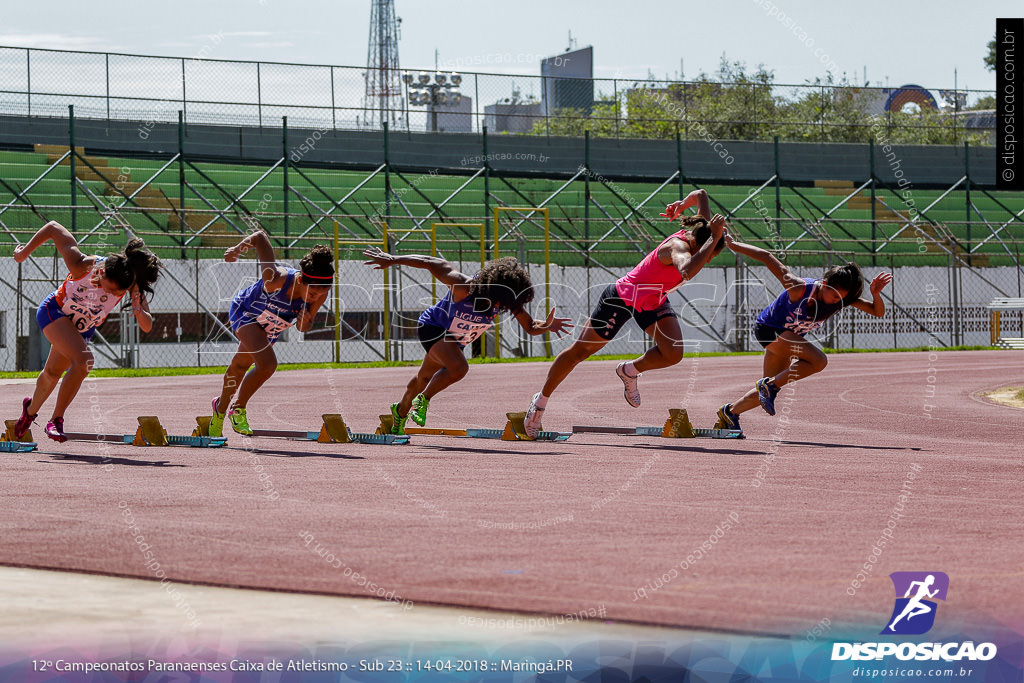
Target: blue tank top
[[274, 311], [463, 324], [786, 314]]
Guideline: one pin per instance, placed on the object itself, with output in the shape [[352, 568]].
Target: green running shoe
[[419, 409], [239, 422], [216, 421], [398, 421]]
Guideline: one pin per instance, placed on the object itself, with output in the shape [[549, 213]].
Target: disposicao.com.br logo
[[913, 614]]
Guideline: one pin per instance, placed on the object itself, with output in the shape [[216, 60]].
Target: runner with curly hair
[[466, 311]]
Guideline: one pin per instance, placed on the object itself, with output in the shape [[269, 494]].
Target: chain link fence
[[35, 82]]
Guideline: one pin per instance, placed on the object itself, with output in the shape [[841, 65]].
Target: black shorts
[[765, 334], [430, 335], [612, 313]]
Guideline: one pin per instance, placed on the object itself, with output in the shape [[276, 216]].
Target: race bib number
[[271, 323], [465, 332], [803, 327], [83, 317]]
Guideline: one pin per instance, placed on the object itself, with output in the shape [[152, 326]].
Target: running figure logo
[[914, 613]]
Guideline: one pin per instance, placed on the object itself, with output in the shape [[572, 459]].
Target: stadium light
[[439, 91]]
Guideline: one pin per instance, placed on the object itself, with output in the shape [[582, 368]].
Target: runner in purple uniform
[[260, 313], [804, 306], [466, 311]]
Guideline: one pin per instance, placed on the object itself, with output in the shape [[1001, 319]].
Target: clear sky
[[907, 41]]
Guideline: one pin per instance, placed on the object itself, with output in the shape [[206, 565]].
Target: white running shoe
[[533, 417], [631, 389]]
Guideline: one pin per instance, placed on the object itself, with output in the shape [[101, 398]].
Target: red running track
[[559, 528]]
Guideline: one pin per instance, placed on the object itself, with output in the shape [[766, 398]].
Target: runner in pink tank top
[[642, 295], [69, 316]]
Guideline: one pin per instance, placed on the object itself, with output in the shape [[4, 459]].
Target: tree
[[990, 58]]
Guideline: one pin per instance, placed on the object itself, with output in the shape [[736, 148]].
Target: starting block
[[332, 430], [677, 426], [513, 431], [9, 444], [149, 433]]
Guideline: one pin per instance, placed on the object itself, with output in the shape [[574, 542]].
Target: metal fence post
[[778, 193], [967, 202], [181, 182], [184, 100], [284, 151], [679, 162], [74, 185], [259, 96], [106, 56], [618, 110], [334, 120], [892, 269], [387, 246], [874, 217]]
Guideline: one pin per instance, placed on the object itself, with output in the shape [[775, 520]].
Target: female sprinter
[[69, 316], [467, 310], [642, 295], [282, 297], [804, 306]]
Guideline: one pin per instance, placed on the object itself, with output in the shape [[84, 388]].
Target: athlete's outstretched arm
[[443, 270], [698, 198], [264, 252], [559, 326], [77, 262], [689, 264], [777, 267], [876, 306]]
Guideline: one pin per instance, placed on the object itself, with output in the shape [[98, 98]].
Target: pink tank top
[[648, 285], [84, 300]]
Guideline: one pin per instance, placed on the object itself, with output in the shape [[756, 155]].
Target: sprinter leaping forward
[[642, 295]]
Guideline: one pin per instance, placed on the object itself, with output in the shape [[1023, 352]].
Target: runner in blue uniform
[[260, 313], [803, 307], [466, 311]]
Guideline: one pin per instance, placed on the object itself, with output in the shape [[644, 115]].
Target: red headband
[[317, 277]]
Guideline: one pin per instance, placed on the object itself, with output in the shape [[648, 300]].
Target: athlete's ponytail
[[144, 265], [700, 231], [847, 277]]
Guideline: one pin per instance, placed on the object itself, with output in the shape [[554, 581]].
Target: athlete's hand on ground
[[20, 253], [379, 259], [673, 210], [560, 326], [879, 283]]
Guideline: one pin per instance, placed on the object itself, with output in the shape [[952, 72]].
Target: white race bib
[[272, 323], [465, 332]]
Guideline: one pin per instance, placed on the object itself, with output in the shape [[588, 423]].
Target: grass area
[[1020, 394], [219, 369]]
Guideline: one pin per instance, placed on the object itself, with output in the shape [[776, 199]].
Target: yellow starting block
[[9, 433], [332, 430]]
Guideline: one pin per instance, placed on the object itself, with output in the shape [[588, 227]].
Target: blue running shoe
[[728, 419], [766, 393]]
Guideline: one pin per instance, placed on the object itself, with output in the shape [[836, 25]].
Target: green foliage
[[735, 104], [990, 58]]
